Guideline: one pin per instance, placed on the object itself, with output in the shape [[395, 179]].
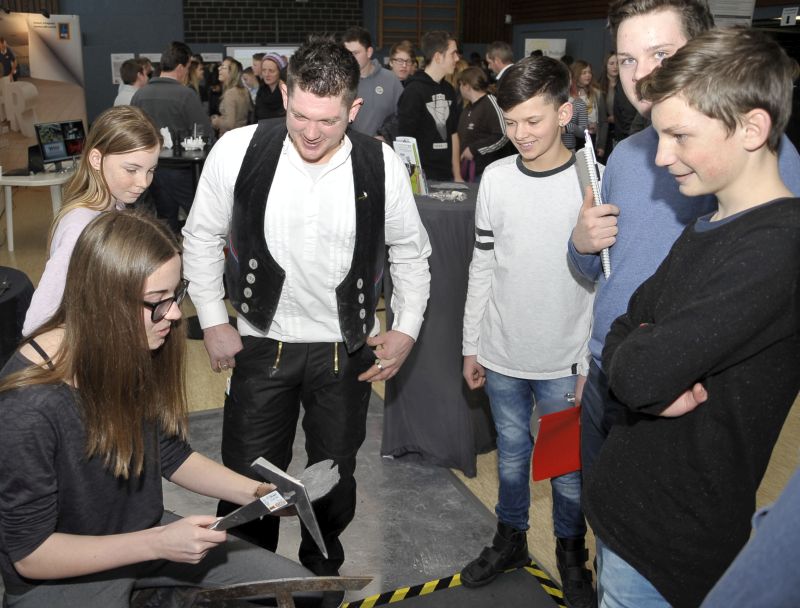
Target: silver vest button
[[245, 308], [248, 293], [360, 283], [362, 314], [250, 278], [253, 264]]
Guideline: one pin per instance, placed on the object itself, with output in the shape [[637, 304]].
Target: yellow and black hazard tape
[[392, 597]]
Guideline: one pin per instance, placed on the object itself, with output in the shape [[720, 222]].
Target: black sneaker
[[509, 550]]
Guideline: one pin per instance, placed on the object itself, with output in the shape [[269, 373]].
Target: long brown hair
[[118, 130], [575, 70], [121, 384]]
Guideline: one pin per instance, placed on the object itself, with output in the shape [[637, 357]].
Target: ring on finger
[[378, 364], [224, 366]]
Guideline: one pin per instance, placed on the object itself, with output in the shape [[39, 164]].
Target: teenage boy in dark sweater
[[673, 489]]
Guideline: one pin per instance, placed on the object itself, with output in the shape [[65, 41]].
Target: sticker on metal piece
[[274, 501]]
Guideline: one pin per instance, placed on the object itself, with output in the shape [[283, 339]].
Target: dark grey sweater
[[47, 485]]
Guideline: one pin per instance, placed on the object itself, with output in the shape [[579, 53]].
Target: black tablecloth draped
[[430, 413]]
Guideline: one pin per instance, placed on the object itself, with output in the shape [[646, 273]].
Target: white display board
[[551, 47], [117, 59], [732, 12]]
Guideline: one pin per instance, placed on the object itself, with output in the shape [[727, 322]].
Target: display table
[[430, 414], [16, 290], [54, 180]]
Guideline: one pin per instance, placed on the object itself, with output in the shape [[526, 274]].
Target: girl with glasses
[[117, 166], [92, 415]]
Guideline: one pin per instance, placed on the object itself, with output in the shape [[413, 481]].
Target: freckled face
[[697, 150]]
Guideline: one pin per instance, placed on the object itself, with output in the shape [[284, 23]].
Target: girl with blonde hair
[[92, 415], [120, 156], [235, 105]]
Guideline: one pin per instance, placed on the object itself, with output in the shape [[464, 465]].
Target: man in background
[[380, 89], [499, 57], [427, 110], [132, 72], [170, 103], [8, 60]]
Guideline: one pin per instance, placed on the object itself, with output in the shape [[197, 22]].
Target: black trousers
[[599, 412], [269, 383], [172, 189]]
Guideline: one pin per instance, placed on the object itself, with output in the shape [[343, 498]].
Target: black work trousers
[[269, 383]]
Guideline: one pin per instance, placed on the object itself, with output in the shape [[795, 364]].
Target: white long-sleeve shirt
[[310, 229], [527, 314]]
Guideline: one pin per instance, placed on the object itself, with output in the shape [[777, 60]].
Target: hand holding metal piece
[[286, 483], [314, 483]]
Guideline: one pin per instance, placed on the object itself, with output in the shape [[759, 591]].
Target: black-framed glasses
[[159, 310], [401, 61]]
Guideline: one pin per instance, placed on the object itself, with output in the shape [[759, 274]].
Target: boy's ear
[[564, 114], [756, 125]]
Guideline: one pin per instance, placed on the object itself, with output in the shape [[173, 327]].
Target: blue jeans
[[619, 585], [512, 402]]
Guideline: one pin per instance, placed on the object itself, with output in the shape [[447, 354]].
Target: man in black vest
[[308, 214]]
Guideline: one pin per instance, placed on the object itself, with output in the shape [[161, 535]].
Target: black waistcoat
[[255, 279]]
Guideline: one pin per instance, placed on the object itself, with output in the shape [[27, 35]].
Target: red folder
[[557, 450]]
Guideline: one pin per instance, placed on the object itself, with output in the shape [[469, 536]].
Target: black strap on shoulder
[[42, 353]]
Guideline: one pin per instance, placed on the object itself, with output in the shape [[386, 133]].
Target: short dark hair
[[695, 15], [533, 76], [500, 50], [258, 56], [725, 73], [177, 53], [357, 34], [325, 68], [130, 70], [434, 42]]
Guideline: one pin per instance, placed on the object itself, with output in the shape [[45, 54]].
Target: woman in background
[[584, 88], [120, 156], [481, 127], [269, 101], [605, 120], [234, 107], [88, 433]]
